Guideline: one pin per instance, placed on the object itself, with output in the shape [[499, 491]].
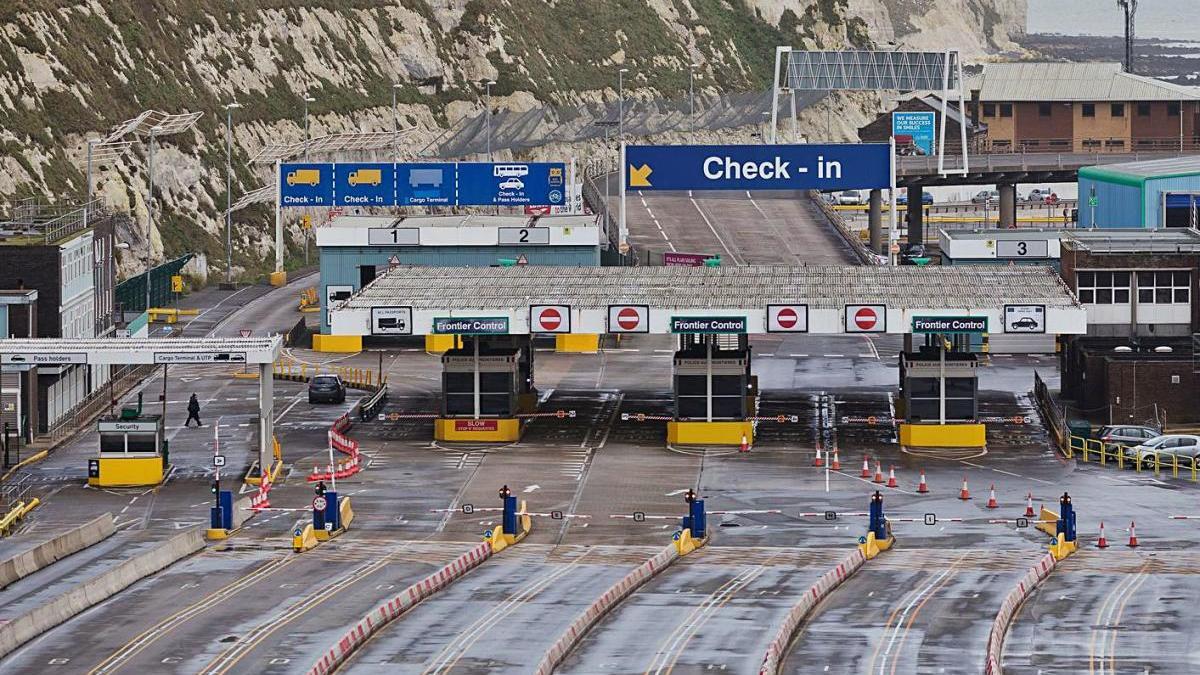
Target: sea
[[1160, 19]]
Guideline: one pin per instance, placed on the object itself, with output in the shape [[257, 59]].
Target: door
[[366, 274]]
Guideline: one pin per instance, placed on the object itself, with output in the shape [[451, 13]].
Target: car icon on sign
[[513, 183], [1025, 322]]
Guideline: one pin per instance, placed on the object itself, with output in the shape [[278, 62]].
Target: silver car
[[1168, 449], [1114, 436]]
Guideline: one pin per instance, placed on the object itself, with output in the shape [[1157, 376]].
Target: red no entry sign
[[550, 319], [628, 318], [865, 318], [787, 317]]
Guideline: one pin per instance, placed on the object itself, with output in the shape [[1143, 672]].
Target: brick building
[[879, 130]]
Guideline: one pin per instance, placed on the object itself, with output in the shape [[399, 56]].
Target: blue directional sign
[[914, 132], [511, 183], [758, 167], [425, 184], [306, 185], [364, 184]]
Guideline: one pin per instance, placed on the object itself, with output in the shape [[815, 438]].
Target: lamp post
[[395, 125], [692, 101], [229, 108], [307, 99], [621, 104], [150, 208], [488, 114]]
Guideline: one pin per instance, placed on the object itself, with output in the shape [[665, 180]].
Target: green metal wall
[[131, 293]]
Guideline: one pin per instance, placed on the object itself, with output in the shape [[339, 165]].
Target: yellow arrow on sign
[[640, 177]]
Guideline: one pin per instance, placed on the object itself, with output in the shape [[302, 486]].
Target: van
[[372, 177], [309, 177]]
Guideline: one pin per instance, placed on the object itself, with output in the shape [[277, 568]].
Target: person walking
[[193, 411]]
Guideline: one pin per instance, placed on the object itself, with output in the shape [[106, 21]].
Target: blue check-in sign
[[426, 184], [758, 167], [365, 184], [306, 185]]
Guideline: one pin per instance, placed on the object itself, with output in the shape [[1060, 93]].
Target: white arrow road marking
[[531, 488]]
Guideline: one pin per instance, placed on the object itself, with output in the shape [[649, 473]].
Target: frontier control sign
[[471, 325], [708, 324], [949, 324], [830, 166]]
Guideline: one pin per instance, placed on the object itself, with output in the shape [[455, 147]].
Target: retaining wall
[[49, 552]]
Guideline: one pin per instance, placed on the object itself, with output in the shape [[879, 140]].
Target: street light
[[621, 104], [307, 99], [395, 125], [692, 100], [766, 118], [154, 132], [488, 114], [229, 108]]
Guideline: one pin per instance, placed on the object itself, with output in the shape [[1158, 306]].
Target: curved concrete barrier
[[90, 593], [614, 595], [398, 605], [828, 581], [49, 552], [995, 644]]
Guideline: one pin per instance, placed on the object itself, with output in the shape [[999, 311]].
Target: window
[[989, 109], [1164, 288], [1173, 109], [1115, 143], [1089, 110], [1006, 110], [1091, 142], [1103, 288], [1143, 109], [1043, 109], [1118, 110]]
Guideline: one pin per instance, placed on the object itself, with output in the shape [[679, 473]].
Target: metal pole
[[779, 51], [621, 235], [941, 378], [278, 224], [150, 213], [87, 198], [893, 231], [708, 377], [692, 104], [228, 194], [306, 100], [475, 339], [395, 128], [795, 128], [621, 104], [488, 117]]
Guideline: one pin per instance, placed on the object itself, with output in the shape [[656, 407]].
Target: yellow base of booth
[[685, 544], [337, 343], [873, 547], [943, 435], [493, 430], [278, 279], [128, 472], [581, 343], [501, 541], [440, 344], [709, 433]]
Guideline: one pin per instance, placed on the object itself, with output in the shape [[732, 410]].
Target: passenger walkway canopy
[[828, 300]]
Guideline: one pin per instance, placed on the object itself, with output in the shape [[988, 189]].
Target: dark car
[[326, 388], [914, 254], [926, 198], [1025, 322]]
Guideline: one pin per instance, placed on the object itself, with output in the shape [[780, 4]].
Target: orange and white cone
[[1103, 541], [922, 488], [964, 494], [1133, 542], [817, 460], [745, 446], [836, 464], [866, 470], [878, 473], [892, 477], [991, 503], [1029, 513]]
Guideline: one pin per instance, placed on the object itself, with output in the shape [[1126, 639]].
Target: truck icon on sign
[[309, 177], [372, 177]]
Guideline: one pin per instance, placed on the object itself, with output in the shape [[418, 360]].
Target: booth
[[133, 451]]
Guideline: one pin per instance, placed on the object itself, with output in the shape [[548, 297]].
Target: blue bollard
[[509, 521], [685, 523], [1066, 518], [225, 501], [878, 523], [333, 514], [699, 519], [214, 518]]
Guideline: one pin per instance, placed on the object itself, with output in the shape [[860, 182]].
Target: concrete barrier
[[49, 552], [828, 581], [98, 589], [614, 595], [995, 644], [398, 605]]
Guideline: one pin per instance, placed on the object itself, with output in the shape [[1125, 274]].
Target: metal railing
[[1106, 454], [1057, 160], [1103, 144], [94, 403], [851, 237]]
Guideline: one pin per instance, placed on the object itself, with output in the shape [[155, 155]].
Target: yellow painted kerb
[[709, 433], [128, 472], [337, 343], [943, 435]]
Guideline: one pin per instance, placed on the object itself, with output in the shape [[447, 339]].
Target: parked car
[[1167, 448], [850, 198], [326, 388], [986, 196], [1039, 195], [911, 253], [1123, 435], [926, 198]]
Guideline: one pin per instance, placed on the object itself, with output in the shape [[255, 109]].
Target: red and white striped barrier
[[260, 500], [828, 581], [995, 644], [397, 605], [614, 595]]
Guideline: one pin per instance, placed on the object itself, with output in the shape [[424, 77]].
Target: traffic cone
[[1029, 513], [866, 470], [964, 494], [1103, 541], [817, 460], [922, 488], [836, 465], [892, 477], [1132, 536], [745, 446], [991, 504], [878, 473]]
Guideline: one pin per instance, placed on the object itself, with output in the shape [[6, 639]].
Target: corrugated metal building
[[1151, 194]]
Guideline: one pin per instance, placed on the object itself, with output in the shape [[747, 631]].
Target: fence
[[94, 403], [131, 293], [860, 249]]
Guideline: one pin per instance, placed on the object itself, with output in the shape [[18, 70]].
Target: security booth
[[486, 384], [939, 385], [133, 451], [713, 387]]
